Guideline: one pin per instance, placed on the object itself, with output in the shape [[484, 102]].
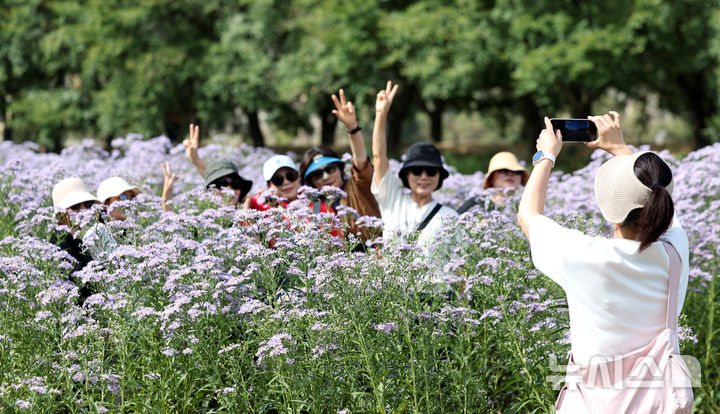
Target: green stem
[[368, 367]]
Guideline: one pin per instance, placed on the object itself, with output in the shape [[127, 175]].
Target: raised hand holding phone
[[610, 136], [550, 140]]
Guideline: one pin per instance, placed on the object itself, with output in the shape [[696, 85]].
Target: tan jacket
[[359, 196]]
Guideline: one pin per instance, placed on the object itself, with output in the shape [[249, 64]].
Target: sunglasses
[[506, 171], [278, 179], [430, 171], [85, 205], [234, 183], [328, 169], [125, 197]]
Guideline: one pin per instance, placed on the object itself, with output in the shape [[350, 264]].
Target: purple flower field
[[193, 312]]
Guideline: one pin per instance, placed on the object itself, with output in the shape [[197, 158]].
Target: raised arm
[[532, 202], [610, 138], [345, 113], [191, 149], [170, 179], [379, 137]]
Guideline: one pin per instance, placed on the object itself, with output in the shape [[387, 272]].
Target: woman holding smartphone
[[624, 293]]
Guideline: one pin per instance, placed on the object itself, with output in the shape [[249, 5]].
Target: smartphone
[[576, 130]]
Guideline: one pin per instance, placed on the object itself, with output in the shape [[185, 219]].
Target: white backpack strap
[[673, 286]]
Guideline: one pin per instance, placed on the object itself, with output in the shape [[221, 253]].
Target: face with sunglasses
[[505, 178], [115, 213], [423, 180], [124, 196], [330, 174], [285, 182], [85, 205], [231, 181]]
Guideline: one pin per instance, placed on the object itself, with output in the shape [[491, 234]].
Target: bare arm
[[379, 139], [532, 202], [610, 139], [345, 113], [191, 149]]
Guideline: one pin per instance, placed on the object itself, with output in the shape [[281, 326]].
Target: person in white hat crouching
[[116, 189], [70, 196]]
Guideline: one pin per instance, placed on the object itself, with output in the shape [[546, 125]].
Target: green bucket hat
[[222, 168]]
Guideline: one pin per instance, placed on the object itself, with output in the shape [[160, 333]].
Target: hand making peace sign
[[192, 143], [344, 111], [385, 98]]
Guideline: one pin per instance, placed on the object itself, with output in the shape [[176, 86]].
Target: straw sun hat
[[504, 160], [113, 187], [618, 191], [69, 192]]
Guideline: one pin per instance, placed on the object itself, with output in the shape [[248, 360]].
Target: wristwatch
[[540, 155]]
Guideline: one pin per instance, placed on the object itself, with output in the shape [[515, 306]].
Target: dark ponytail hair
[[651, 221]]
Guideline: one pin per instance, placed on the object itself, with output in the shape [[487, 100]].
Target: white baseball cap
[[113, 187], [618, 191], [275, 163], [69, 192]]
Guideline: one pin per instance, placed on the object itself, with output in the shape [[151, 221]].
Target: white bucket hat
[[275, 163], [69, 192], [113, 187], [618, 191]]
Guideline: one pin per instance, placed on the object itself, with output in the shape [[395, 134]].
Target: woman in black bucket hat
[[422, 173]]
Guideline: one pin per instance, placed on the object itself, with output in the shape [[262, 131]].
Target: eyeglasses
[[85, 205], [430, 171], [506, 171], [234, 183], [329, 169], [278, 179]]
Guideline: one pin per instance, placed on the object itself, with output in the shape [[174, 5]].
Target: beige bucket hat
[[504, 160], [69, 192], [113, 187], [618, 191]]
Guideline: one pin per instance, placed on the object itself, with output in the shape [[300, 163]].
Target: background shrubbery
[[192, 314], [480, 72]]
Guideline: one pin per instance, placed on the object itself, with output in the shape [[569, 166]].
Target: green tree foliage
[[240, 69], [152, 66], [672, 41], [440, 51], [336, 46]]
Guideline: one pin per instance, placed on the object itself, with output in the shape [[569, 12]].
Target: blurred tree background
[[472, 72]]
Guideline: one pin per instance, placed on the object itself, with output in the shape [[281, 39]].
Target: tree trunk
[[328, 123], [702, 105], [256, 134], [172, 128], [580, 102], [532, 122], [5, 117], [398, 112], [436, 119]]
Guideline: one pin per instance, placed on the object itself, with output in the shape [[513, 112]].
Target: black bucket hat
[[423, 154], [222, 168]]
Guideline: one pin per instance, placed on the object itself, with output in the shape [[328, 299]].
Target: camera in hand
[[576, 130]]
